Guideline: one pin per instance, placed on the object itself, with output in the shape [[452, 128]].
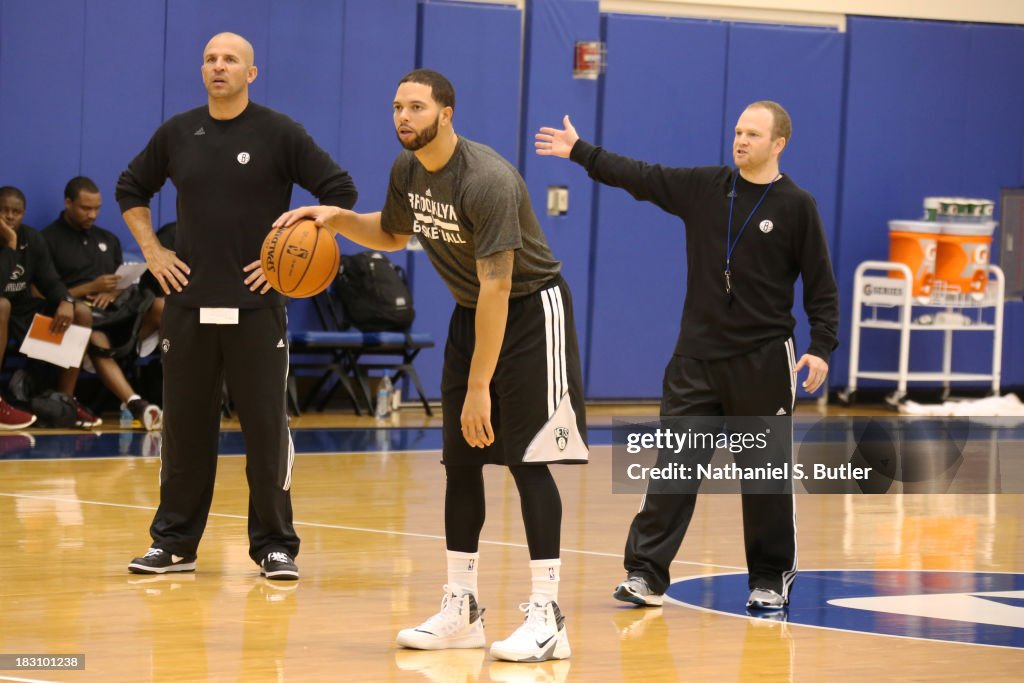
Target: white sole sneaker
[[136, 568], [152, 418], [459, 625], [422, 640], [766, 600], [9, 426], [556, 647], [541, 636], [281, 574], [626, 593]]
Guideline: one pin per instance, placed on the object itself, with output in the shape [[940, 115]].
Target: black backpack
[[374, 293], [53, 408]]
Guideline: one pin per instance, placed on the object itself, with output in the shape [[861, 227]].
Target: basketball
[[300, 260]]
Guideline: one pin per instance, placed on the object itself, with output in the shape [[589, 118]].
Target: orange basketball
[[300, 260]]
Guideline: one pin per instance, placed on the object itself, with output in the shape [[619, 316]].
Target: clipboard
[[64, 349]]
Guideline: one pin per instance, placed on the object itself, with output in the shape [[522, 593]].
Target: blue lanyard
[[730, 244]]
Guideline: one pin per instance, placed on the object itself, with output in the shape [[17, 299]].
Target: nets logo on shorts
[[561, 437]]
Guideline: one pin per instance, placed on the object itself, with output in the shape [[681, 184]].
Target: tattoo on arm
[[496, 266]]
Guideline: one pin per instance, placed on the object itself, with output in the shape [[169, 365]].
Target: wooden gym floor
[[75, 508]]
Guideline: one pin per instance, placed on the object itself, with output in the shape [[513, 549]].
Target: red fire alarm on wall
[[588, 59]]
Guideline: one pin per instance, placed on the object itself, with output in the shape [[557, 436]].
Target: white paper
[[67, 354], [129, 273]]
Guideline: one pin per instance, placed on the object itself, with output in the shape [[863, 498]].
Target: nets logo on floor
[[981, 608]]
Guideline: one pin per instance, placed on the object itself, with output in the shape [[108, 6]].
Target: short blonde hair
[[782, 125]]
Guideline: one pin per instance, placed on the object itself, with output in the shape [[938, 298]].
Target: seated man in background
[[24, 265], [86, 258]]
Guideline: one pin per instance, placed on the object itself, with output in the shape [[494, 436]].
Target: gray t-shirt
[[474, 207]]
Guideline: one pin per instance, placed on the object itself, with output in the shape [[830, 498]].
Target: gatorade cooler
[[914, 244], [961, 257]]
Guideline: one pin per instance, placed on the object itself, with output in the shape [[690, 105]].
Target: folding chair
[[346, 348]]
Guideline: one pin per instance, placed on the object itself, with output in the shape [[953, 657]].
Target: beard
[[423, 138]]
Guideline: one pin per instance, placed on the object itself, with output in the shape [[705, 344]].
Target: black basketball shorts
[[537, 408]]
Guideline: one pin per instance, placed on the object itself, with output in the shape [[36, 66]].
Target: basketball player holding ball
[[511, 386], [233, 163]]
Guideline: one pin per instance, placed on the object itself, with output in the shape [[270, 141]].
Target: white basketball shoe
[[541, 637], [459, 624]]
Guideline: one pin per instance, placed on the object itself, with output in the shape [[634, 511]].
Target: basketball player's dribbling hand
[[476, 418], [817, 371], [551, 142], [318, 214]]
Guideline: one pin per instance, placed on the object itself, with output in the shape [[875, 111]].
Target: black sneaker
[[279, 566], [149, 416], [157, 561]]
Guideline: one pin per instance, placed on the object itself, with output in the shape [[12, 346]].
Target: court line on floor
[[748, 616], [156, 458], [340, 527]]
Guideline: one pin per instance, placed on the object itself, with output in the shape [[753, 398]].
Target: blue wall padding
[[805, 76], [478, 48], [639, 274], [303, 57], [486, 110], [378, 48], [925, 115], [884, 114], [1013, 359], [994, 128], [550, 92], [302, 70], [993, 105], [41, 101], [123, 66]]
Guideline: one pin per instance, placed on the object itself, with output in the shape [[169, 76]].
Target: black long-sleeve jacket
[[783, 240], [234, 178]]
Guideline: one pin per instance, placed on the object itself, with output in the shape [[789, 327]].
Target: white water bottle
[[384, 389]]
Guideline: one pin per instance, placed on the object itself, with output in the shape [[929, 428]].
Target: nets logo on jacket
[[434, 220]]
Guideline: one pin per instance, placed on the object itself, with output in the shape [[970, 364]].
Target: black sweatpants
[[253, 357], [760, 383]]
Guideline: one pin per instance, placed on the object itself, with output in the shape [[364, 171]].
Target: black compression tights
[[464, 508]]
